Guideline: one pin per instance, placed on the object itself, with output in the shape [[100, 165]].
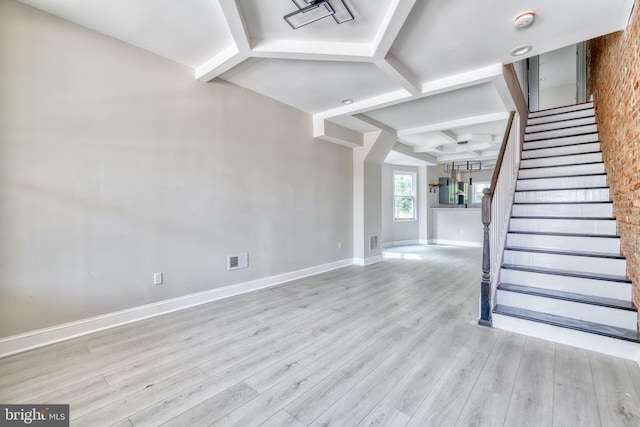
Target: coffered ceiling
[[428, 70]]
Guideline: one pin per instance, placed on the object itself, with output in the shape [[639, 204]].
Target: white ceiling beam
[[462, 80], [222, 62], [236, 23], [450, 135], [392, 23], [470, 155], [452, 124], [311, 50], [435, 150], [476, 137], [333, 132], [400, 74], [409, 151], [510, 92], [458, 81], [389, 98], [376, 123], [235, 53]]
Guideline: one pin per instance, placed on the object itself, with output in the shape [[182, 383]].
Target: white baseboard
[[457, 243], [401, 243], [41, 337], [367, 261]]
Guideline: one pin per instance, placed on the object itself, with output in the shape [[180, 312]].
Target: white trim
[[401, 243], [611, 346], [367, 261], [457, 243], [41, 337], [414, 193], [426, 242]]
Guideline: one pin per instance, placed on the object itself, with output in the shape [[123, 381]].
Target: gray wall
[[397, 231], [116, 163]]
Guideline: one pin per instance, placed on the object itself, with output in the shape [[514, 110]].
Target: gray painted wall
[[116, 163]]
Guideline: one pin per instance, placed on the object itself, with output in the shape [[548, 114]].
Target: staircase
[[563, 278]]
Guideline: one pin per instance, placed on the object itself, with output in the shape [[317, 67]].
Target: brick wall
[[614, 80]]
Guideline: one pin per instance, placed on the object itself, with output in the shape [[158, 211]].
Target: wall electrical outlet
[[157, 278], [339, 245]]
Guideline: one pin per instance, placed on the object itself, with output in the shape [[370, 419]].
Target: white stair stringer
[[563, 278]]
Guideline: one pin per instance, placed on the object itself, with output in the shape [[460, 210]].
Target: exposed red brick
[[614, 80]]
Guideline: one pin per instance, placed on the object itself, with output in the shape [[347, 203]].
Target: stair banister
[[496, 204]]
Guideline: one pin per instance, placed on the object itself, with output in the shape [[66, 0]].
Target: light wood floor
[[395, 343]]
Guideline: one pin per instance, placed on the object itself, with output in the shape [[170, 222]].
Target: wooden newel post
[[485, 284]]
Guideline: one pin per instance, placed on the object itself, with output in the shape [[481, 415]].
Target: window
[[404, 196], [477, 191]]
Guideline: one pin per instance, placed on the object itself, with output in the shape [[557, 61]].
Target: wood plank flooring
[[391, 344]]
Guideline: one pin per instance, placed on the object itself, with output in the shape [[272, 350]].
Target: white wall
[[396, 232], [116, 163], [458, 226], [558, 96]]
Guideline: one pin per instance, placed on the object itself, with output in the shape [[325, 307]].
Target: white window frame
[[414, 192], [485, 184]]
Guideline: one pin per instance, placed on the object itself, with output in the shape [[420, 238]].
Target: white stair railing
[[496, 211]]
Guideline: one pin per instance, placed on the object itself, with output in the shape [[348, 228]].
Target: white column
[[367, 194]]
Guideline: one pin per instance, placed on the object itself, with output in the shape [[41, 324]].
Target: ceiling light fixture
[[520, 50], [524, 19], [347, 101], [313, 10]]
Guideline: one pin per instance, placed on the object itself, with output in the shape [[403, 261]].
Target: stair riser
[[559, 196], [561, 110], [606, 345], [575, 310], [580, 130], [586, 169], [561, 151], [547, 126], [559, 142], [583, 264], [597, 227], [562, 117], [564, 182], [567, 243], [576, 285], [561, 160], [595, 210]]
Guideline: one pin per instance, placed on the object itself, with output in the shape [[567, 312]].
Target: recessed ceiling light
[[347, 101], [524, 19], [521, 50]]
